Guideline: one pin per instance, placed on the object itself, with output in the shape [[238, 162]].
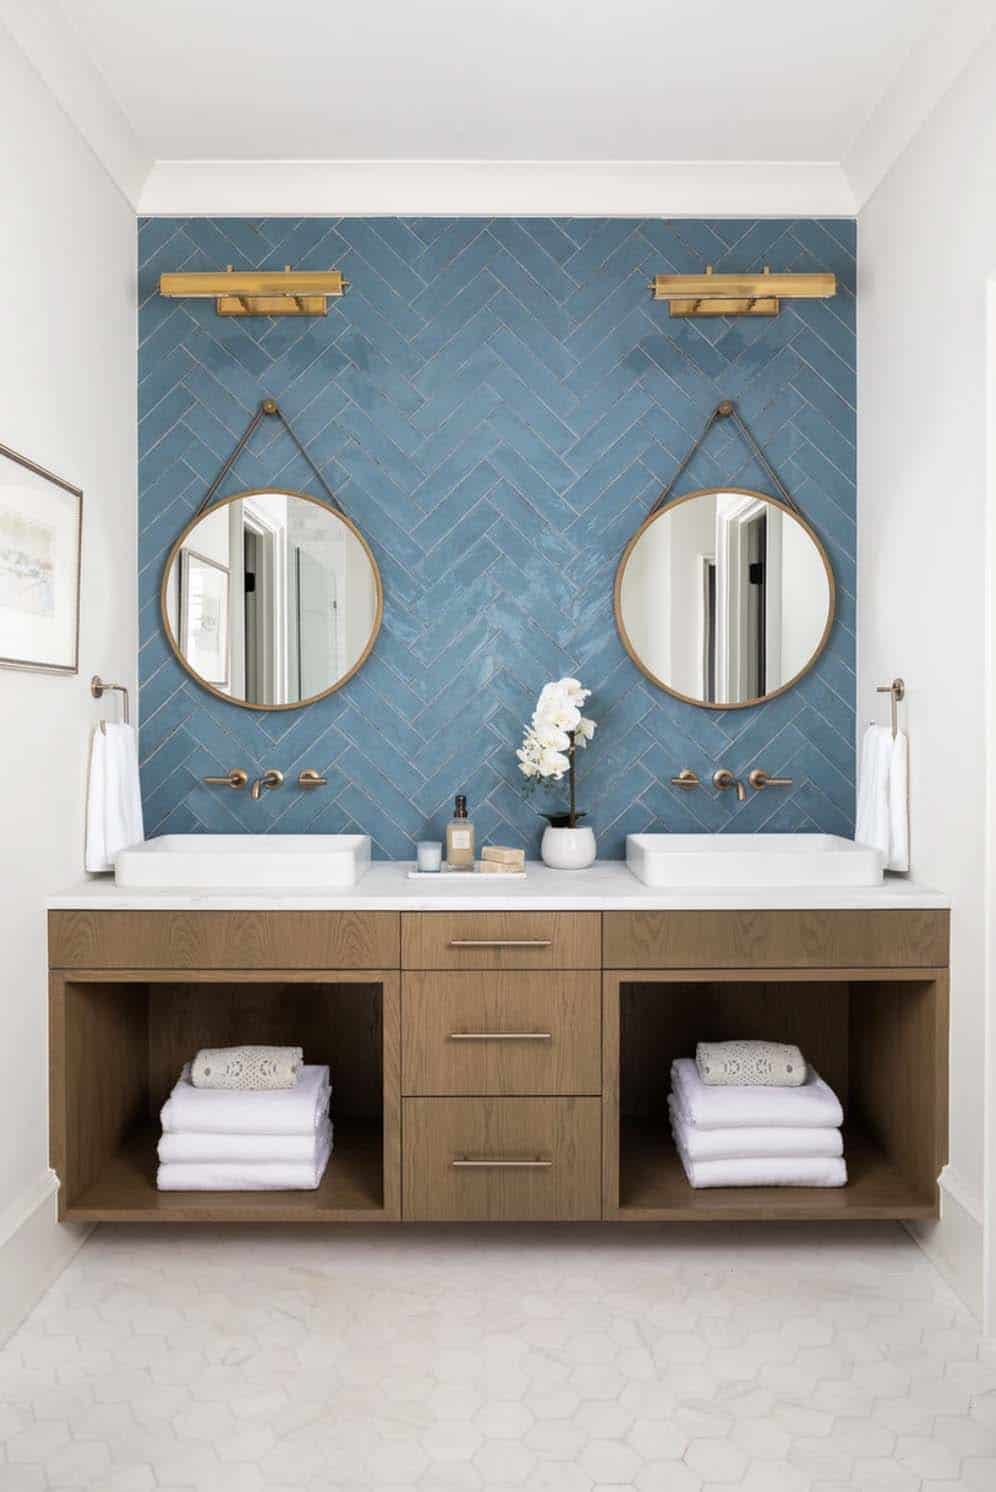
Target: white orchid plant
[[551, 741]]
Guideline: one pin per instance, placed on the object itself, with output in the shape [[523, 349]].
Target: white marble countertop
[[606, 887]]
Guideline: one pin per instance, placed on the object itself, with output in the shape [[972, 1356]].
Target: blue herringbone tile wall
[[496, 403]]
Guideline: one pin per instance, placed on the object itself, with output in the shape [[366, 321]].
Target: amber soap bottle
[[460, 838]]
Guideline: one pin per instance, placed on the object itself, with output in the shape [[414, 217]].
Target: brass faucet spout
[[270, 779], [723, 778]]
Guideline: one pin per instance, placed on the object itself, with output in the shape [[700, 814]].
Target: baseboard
[[954, 1244], [34, 1250]]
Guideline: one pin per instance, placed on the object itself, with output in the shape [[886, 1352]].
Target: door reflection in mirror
[[299, 609], [724, 597]]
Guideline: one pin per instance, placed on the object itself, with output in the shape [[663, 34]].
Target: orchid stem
[[573, 809]]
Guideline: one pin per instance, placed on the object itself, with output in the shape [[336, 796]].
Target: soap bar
[[501, 855], [496, 868]]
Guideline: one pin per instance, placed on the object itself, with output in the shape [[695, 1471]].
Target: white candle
[[430, 855]]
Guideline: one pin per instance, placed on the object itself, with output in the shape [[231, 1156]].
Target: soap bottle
[[460, 838]]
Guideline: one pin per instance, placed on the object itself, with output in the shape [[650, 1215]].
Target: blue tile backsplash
[[497, 404]]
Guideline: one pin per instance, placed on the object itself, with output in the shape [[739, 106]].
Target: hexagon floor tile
[[781, 1359]]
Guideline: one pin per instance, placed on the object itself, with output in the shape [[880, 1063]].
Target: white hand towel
[[114, 796], [765, 1171], [295, 1149], [899, 804], [812, 1106], [245, 1176], [752, 1143], [872, 821], [281, 1111]]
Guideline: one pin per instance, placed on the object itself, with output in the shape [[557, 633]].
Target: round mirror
[[271, 599], [724, 598]]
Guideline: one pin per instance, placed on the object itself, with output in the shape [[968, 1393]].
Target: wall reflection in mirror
[[271, 599], [724, 597]]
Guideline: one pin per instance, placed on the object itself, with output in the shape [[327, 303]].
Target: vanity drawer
[[223, 940], [502, 1159], [879, 938], [501, 940], [514, 1033]]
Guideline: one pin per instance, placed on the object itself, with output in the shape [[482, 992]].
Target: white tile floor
[[770, 1359]]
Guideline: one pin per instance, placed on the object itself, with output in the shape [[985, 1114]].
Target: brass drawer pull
[[501, 942], [501, 1036], [473, 1163]]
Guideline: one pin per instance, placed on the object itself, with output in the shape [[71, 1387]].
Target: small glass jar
[[430, 856]]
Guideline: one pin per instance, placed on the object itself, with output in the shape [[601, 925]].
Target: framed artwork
[[41, 528], [204, 618]]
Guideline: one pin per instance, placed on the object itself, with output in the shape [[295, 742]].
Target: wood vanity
[[497, 1065]]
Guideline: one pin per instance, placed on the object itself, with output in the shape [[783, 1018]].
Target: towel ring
[[98, 688]]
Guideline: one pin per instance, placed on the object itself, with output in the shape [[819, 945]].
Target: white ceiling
[[604, 107], [512, 80]]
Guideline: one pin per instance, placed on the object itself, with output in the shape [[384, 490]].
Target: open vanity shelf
[[498, 1065], [875, 1040]]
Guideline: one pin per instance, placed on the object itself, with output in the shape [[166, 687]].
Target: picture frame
[[204, 617], [41, 536]]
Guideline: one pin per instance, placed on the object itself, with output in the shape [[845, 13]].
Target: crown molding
[[41, 33], [929, 71], [496, 189]]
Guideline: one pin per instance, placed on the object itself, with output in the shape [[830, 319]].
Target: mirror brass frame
[[708, 704], [224, 502]]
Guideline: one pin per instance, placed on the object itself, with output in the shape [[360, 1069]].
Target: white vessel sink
[[261, 862], [748, 860]]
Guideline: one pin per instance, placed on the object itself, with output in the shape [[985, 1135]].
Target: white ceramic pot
[[568, 849]]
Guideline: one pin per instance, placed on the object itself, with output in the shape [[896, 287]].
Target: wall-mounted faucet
[[723, 778], [271, 778]]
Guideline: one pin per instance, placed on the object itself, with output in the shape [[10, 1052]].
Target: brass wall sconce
[[738, 295], [264, 292]]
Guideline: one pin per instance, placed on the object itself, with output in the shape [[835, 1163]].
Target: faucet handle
[[310, 778], [236, 778], [758, 778], [686, 778]]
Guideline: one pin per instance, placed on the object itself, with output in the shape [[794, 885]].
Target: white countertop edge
[[606, 887]]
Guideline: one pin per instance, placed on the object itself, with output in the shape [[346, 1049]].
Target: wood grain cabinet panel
[[223, 940], [514, 1033], [879, 938], [502, 1159], [501, 940]]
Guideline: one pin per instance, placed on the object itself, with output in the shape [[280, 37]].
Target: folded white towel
[[813, 1105], [252, 1068], [245, 1176], [282, 1111], [114, 796], [752, 1143], [883, 796], [206, 1147], [765, 1171], [741, 1064]]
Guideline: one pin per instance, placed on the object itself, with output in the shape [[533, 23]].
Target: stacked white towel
[[756, 1136], [218, 1139]]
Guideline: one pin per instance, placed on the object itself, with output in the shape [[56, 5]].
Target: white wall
[[67, 399], [926, 251]]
